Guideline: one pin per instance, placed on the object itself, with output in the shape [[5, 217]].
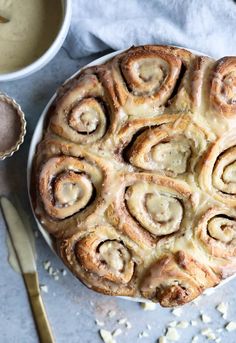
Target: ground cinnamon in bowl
[[12, 126]]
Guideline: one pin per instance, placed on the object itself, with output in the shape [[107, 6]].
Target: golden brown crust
[[57, 159], [223, 84], [172, 149], [144, 77], [217, 231], [176, 279], [148, 206], [135, 176], [198, 79], [100, 257], [217, 174]]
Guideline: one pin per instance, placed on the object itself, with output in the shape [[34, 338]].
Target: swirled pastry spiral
[[170, 149], [135, 176], [223, 87], [177, 279], [217, 231], [218, 173], [102, 256], [148, 206], [71, 188]]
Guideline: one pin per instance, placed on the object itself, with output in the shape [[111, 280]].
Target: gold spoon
[[3, 20]]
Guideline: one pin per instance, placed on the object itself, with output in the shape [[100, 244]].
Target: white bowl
[[50, 53], [36, 138]]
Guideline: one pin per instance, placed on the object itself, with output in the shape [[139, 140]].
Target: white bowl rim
[[37, 136], [48, 54]]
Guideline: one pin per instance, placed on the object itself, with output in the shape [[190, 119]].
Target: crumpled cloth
[[204, 25]]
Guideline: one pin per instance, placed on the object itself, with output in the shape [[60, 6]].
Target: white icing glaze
[[158, 212], [172, 156], [109, 253], [222, 229]]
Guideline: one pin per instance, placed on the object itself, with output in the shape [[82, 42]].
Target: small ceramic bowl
[[19, 137], [50, 53]]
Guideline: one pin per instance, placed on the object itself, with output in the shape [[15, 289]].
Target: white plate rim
[[38, 134]]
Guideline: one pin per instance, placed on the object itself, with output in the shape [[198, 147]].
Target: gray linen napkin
[[205, 25]]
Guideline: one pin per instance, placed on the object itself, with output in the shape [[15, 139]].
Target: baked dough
[[135, 177]]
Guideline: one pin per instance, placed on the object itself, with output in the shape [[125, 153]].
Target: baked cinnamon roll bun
[[83, 112], [176, 279], [217, 232], [218, 173], [223, 87], [171, 149], [135, 176], [70, 185], [65, 186], [102, 258], [145, 78], [147, 207]]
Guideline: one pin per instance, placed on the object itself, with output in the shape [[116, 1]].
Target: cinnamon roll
[[148, 206], [218, 173], [82, 112], [176, 279], [171, 149], [102, 258], [145, 78], [135, 175], [71, 184], [217, 232], [64, 187], [223, 87]]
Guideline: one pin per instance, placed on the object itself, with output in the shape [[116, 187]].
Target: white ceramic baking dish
[[37, 136]]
